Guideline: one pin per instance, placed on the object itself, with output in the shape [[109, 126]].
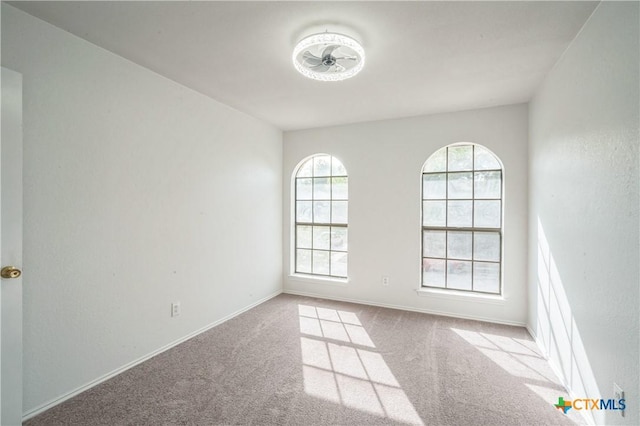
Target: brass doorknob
[[10, 272]]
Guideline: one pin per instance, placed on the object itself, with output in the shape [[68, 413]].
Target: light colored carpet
[[305, 361]]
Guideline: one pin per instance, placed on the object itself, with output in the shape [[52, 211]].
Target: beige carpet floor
[[305, 361]]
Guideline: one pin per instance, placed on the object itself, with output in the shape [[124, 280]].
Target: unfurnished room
[[320, 213]]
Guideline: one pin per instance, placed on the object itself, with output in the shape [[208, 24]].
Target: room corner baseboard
[[532, 334], [558, 372], [405, 308], [58, 400]]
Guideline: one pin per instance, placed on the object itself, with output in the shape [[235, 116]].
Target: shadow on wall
[[557, 333]]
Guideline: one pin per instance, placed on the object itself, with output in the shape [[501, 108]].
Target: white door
[[11, 250]]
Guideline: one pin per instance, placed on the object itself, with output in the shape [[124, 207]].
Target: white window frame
[[334, 226], [473, 229]]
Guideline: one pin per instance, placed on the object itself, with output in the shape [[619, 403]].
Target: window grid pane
[[462, 220], [321, 194]]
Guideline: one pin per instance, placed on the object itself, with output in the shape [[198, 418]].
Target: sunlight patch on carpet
[[339, 366], [510, 355], [519, 358]]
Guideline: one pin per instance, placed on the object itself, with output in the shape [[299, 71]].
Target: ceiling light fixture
[[328, 57]]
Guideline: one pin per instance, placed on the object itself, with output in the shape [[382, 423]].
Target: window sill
[[340, 282], [460, 295]]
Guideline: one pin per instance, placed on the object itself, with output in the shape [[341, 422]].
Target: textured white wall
[[384, 160], [584, 223], [137, 192]]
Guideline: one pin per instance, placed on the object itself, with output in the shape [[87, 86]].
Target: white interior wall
[[138, 192], [584, 223], [384, 161], [119, 161]]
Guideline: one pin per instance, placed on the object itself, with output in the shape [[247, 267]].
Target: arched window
[[462, 220], [321, 193]]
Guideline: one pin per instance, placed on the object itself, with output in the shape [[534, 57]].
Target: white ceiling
[[422, 57]]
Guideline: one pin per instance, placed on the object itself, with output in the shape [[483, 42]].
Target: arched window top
[[321, 217], [462, 197], [321, 165], [462, 157]]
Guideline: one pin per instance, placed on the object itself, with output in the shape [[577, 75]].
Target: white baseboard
[[58, 400], [558, 372], [589, 420], [405, 308], [532, 334]]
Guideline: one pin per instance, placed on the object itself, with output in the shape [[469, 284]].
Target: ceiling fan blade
[[320, 68], [329, 49], [351, 58], [339, 68], [311, 59], [344, 63]]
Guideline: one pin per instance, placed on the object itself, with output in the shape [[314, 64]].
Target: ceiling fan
[[327, 61], [328, 57]]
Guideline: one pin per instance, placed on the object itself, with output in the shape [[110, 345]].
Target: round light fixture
[[328, 57]]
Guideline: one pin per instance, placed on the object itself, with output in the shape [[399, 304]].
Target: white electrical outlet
[[175, 309], [385, 280], [618, 394]]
